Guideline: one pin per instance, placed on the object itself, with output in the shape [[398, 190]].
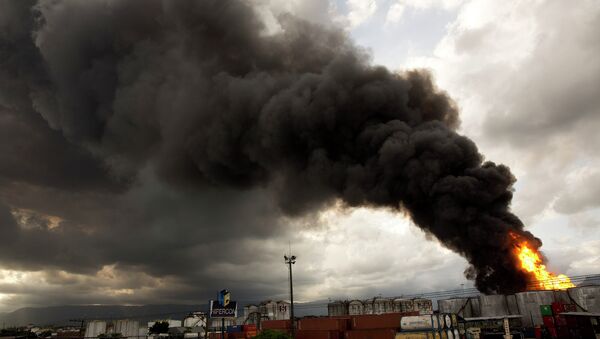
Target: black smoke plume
[[205, 94]]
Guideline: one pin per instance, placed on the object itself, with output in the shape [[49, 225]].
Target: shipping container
[[249, 327], [389, 320], [548, 321], [546, 310], [371, 334], [234, 328], [300, 334], [275, 324], [560, 320], [323, 324], [557, 308]]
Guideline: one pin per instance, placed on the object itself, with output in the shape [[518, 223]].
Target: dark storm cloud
[[242, 125]]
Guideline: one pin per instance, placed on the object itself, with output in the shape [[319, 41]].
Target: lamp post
[[290, 261]]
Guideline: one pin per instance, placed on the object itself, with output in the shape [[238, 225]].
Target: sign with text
[[217, 310]]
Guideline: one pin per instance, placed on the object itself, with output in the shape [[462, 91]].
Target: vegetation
[[271, 334], [159, 327]]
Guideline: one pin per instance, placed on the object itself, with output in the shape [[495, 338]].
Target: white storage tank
[[419, 322], [368, 306], [529, 306], [403, 305], [282, 310], [94, 328], [127, 328], [423, 306], [337, 308], [382, 305], [587, 298], [355, 307]]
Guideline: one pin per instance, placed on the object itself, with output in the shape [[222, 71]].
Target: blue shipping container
[[234, 329]]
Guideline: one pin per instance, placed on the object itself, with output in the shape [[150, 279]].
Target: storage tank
[[403, 305], [587, 298], [382, 305], [511, 303], [419, 322], [251, 308], [268, 309], [337, 308], [423, 306], [368, 306], [529, 306], [127, 328], [460, 306], [282, 310], [94, 328], [355, 307]]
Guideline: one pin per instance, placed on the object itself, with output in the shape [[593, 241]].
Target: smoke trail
[[199, 91]]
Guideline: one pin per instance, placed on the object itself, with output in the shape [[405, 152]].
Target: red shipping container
[[275, 324], [235, 335], [571, 320], [249, 327], [570, 308], [552, 332], [300, 334], [323, 324], [560, 320], [376, 321], [548, 321], [557, 308], [371, 334], [251, 334], [563, 333]]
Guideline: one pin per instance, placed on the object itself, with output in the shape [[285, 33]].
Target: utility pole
[[290, 261]]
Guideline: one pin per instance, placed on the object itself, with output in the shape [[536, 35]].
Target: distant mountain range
[[61, 315]]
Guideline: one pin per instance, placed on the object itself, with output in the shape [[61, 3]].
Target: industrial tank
[[529, 306], [460, 306], [403, 305], [423, 306], [127, 328], [355, 307], [587, 298], [382, 305], [337, 308], [493, 305], [368, 306], [94, 328]]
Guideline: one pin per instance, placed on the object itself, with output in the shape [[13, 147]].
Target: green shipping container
[[546, 310]]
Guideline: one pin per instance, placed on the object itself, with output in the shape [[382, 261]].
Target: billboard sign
[[223, 307]]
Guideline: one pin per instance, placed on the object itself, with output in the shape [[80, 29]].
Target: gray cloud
[[180, 135]]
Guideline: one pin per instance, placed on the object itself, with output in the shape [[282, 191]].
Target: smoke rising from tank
[[201, 92]]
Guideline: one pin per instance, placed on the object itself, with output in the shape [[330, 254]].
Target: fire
[[532, 263]]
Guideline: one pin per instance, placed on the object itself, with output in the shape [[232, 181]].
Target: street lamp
[[290, 261]]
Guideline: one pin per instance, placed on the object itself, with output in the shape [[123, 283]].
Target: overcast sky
[[525, 76]]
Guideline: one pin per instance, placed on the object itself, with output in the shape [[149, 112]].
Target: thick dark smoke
[[204, 94]]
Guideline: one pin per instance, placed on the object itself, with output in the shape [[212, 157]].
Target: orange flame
[[532, 263]]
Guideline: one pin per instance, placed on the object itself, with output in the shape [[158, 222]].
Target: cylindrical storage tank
[[447, 321], [587, 298], [355, 307], [423, 306], [382, 305], [337, 308], [460, 306], [493, 305], [403, 305], [529, 306], [368, 306], [95, 328], [419, 322]]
